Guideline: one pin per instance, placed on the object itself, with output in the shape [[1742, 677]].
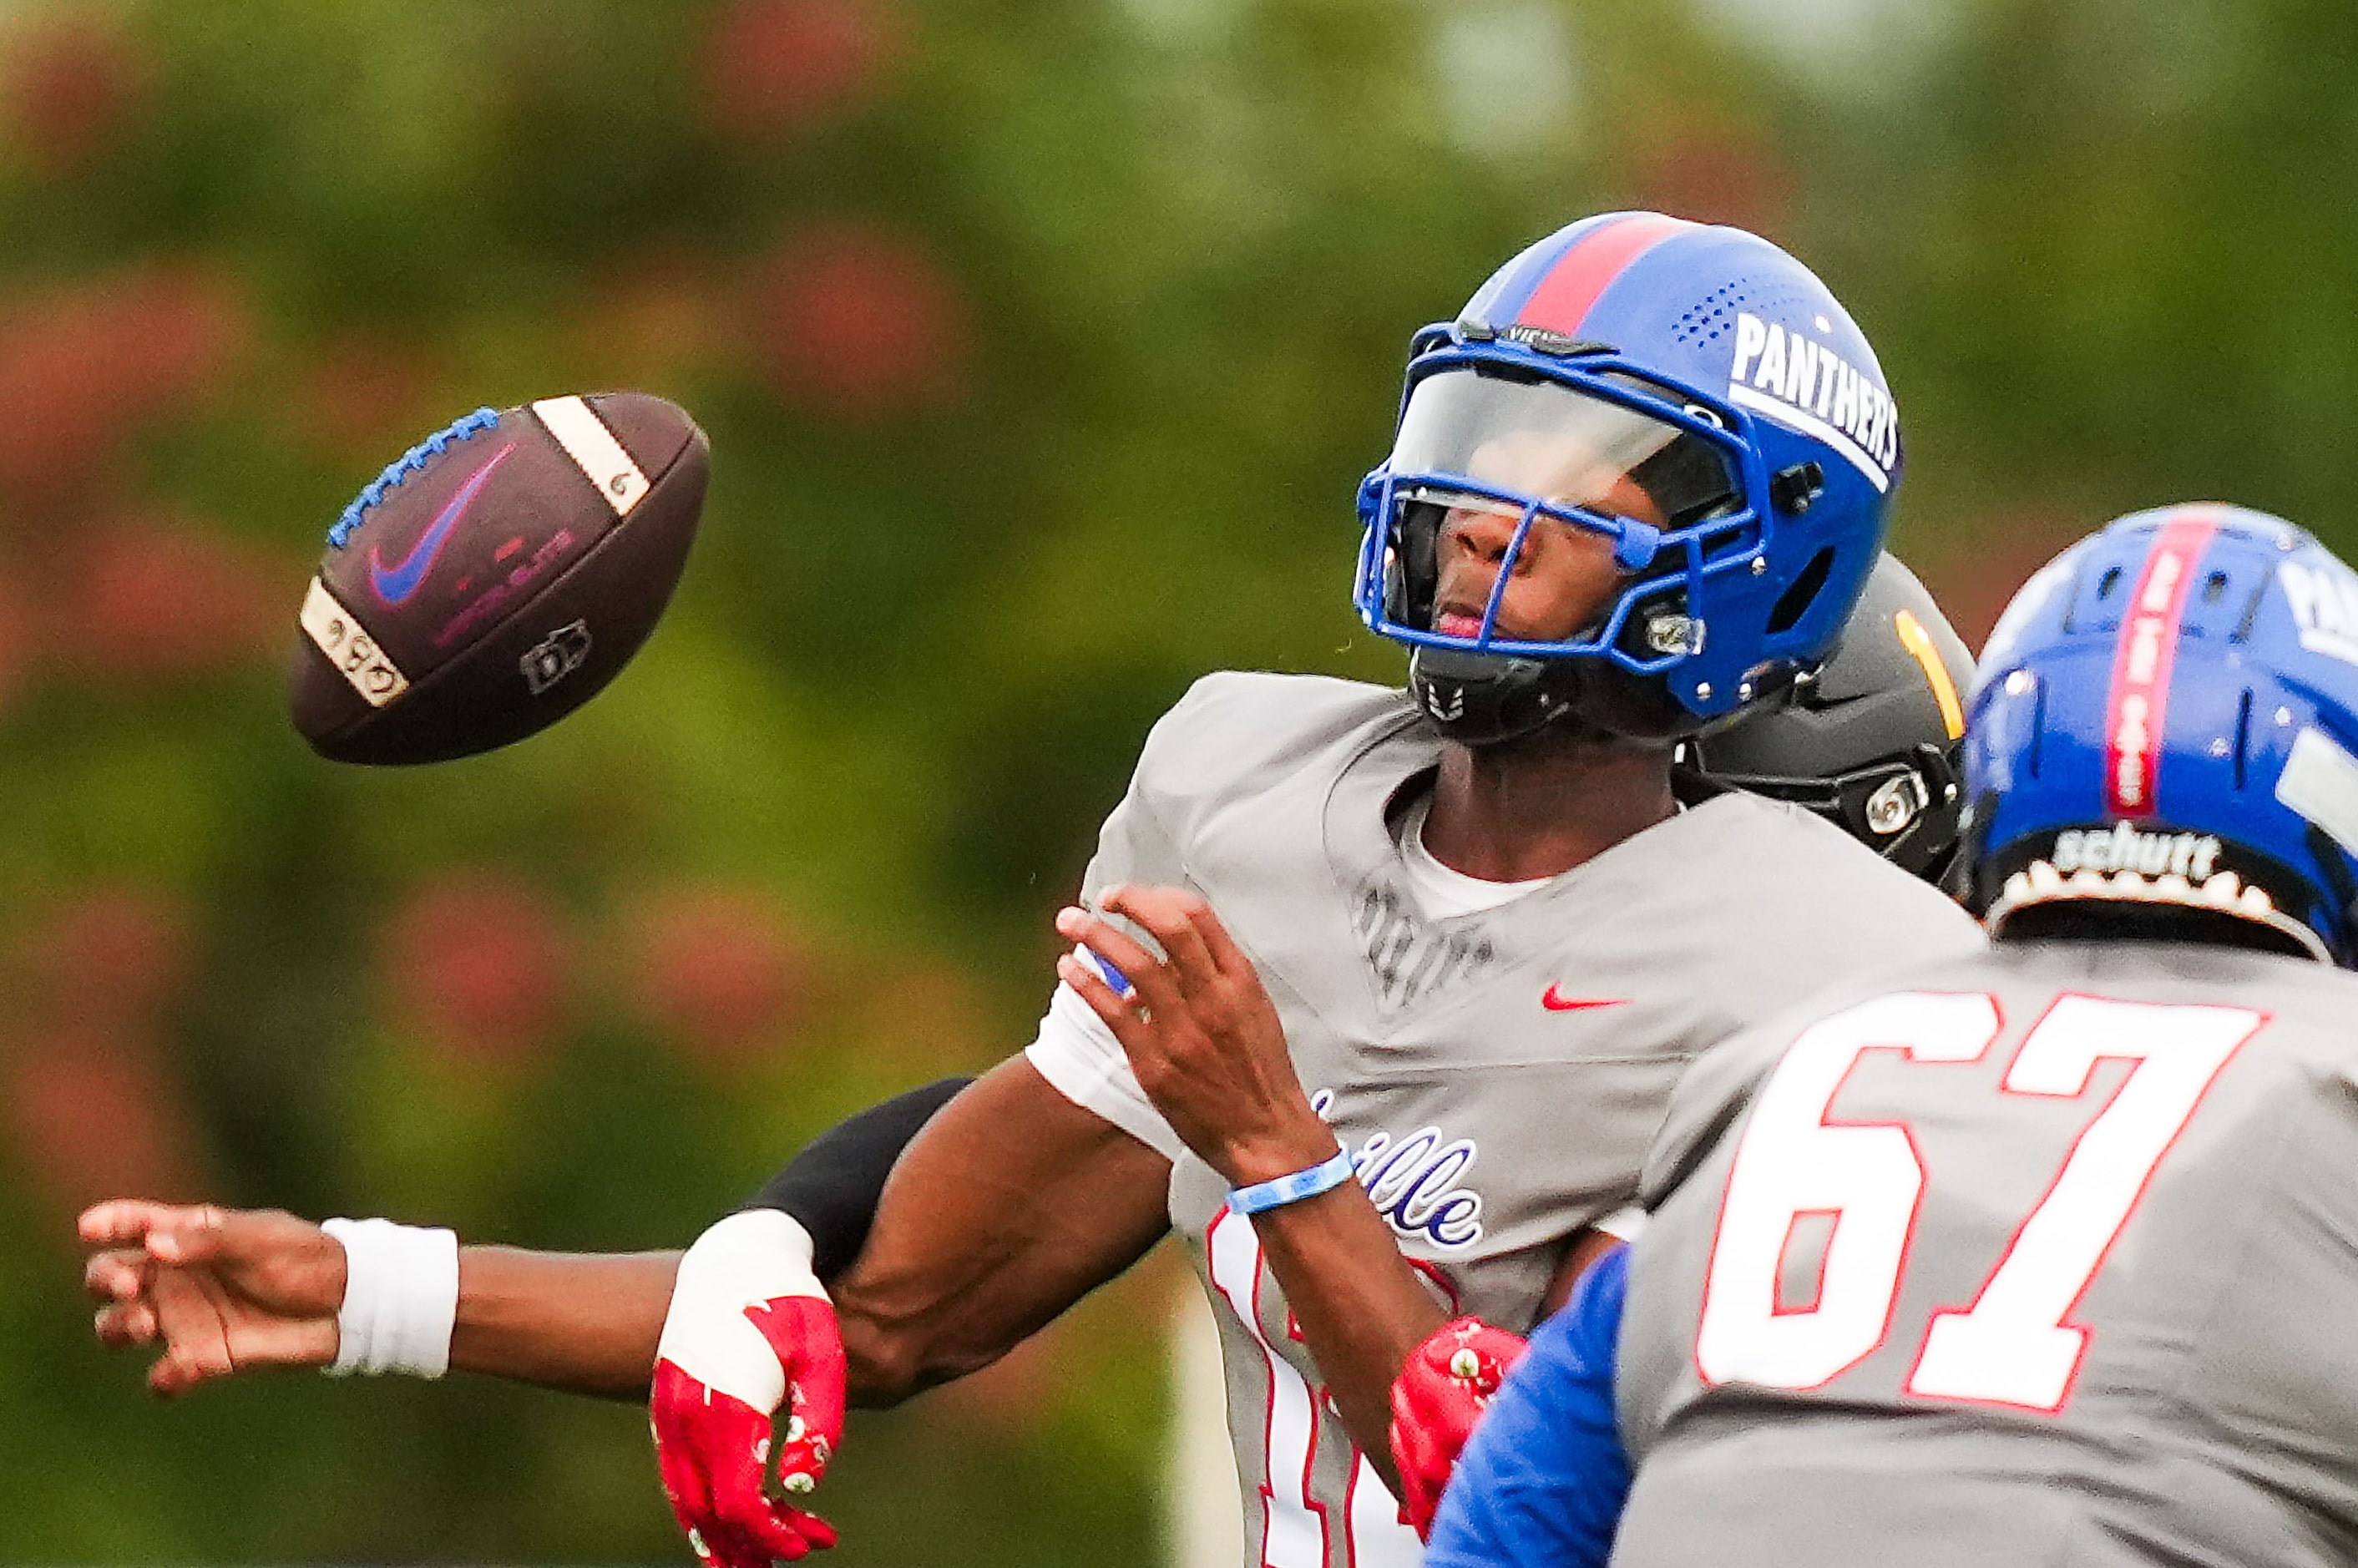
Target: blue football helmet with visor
[[1690, 396]]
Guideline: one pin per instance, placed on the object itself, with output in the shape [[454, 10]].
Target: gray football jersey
[[1498, 1076], [2050, 1257]]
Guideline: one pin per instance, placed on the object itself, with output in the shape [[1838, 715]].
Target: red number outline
[[2092, 1040], [2261, 1019]]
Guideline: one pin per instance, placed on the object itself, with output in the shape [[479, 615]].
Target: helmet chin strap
[[1483, 700], [1487, 699]]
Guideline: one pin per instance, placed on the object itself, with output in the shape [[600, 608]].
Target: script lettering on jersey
[[1411, 958], [1414, 1181], [1805, 386]]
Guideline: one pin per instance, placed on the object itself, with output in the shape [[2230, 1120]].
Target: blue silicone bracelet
[[1284, 1190]]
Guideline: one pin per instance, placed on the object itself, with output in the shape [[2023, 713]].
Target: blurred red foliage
[[366, 395], [70, 87], [18, 639], [772, 67], [83, 367], [92, 1108], [153, 598], [720, 970], [1719, 176], [478, 959], [657, 320], [95, 1115], [115, 955], [1984, 563], [858, 323]]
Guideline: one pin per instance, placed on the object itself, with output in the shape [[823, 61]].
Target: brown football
[[496, 577]]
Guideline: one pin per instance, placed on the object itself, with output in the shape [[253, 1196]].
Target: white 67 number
[[2012, 1346]]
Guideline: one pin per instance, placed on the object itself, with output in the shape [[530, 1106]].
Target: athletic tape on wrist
[[1275, 1194], [400, 1298]]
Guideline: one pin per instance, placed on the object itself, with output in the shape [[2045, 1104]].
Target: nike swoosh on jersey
[[1556, 1002], [395, 585]]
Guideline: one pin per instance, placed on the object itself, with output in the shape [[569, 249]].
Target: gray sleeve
[[1141, 842], [1074, 1050], [1133, 846], [1711, 1096]]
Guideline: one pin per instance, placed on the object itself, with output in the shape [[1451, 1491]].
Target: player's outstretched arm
[[226, 1291], [584, 1322], [1011, 1205], [223, 1291]]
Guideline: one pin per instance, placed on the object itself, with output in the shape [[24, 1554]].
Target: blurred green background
[[1042, 345]]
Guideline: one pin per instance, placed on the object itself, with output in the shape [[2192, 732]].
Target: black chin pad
[[1481, 699]]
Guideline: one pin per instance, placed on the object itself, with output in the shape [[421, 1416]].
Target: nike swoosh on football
[[1556, 1002], [395, 586]]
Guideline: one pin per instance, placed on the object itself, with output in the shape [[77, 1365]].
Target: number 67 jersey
[[2051, 1258]]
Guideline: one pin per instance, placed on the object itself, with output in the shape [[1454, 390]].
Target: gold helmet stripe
[[1918, 642]]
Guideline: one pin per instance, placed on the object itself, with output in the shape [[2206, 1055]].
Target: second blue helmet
[[2167, 715]]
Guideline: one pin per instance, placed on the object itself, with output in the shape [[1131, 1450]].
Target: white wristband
[[400, 1298]]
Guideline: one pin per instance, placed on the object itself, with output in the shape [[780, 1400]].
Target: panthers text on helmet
[[1783, 374]]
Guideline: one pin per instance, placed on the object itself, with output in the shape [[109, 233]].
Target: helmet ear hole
[[1795, 601]]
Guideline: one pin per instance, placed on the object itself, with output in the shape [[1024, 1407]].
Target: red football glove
[[1441, 1392], [750, 1329]]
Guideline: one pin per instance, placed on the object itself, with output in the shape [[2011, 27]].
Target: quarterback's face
[[1562, 577]]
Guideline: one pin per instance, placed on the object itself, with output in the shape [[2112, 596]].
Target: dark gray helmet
[[1870, 741]]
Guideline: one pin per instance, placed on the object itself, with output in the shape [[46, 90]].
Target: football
[[496, 577]]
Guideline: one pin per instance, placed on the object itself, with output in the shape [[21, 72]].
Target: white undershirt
[[1443, 893], [1079, 1056]]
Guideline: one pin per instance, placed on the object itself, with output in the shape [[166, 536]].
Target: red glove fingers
[[710, 1450], [1440, 1394], [802, 1330], [748, 1331]]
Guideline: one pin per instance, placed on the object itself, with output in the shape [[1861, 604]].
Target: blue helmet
[[1691, 393], [2167, 715]]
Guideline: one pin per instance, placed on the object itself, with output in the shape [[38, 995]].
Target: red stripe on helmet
[[1562, 298], [2139, 703]]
